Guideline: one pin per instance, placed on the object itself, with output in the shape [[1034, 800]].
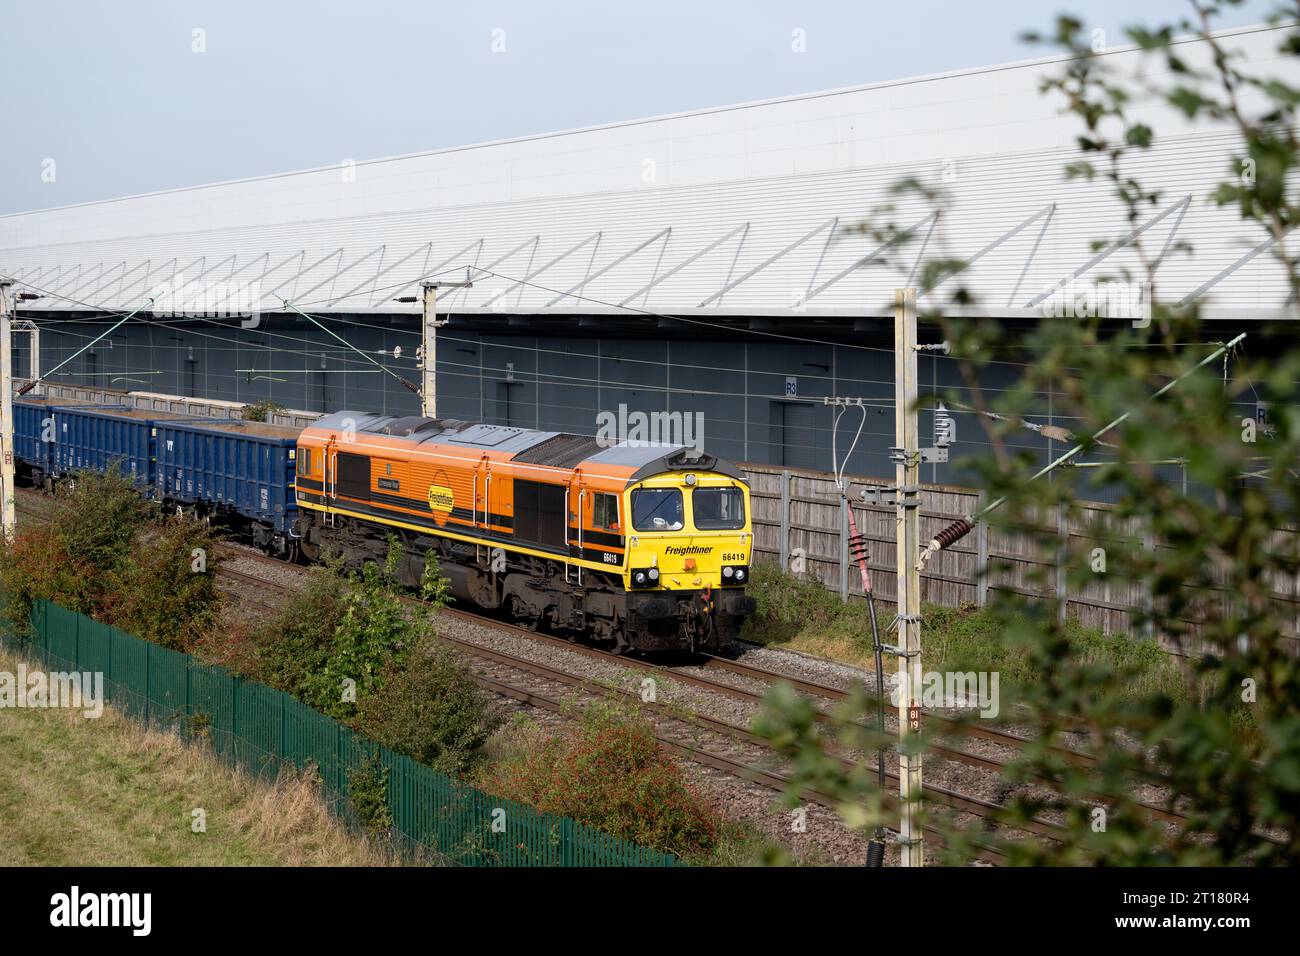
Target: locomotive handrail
[[582, 497]]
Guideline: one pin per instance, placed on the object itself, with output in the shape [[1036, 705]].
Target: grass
[[111, 792], [805, 616]]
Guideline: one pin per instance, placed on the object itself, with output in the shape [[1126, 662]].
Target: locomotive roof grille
[[417, 424], [559, 451]]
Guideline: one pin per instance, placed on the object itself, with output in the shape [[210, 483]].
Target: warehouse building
[[713, 264]]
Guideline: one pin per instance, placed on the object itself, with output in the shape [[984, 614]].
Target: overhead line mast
[[907, 474], [8, 517], [429, 345]]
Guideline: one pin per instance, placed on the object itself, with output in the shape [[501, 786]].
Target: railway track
[[933, 793], [711, 757], [827, 692], [769, 778]]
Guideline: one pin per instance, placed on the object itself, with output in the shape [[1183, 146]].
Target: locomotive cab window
[[718, 509], [657, 509], [304, 461], [604, 512]]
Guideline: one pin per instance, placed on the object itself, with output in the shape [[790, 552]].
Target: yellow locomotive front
[[688, 560]]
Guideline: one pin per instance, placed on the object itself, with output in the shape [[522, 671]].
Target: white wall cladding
[[569, 209]]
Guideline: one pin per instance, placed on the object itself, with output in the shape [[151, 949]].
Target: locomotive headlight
[[639, 578], [741, 575], [690, 479], [728, 572], [654, 574]]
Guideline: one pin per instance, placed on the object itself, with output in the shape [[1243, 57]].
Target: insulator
[[858, 546], [953, 533], [875, 853]]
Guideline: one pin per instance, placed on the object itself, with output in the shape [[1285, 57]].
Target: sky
[[105, 99]]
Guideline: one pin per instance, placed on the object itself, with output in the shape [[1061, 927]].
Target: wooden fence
[[798, 515]]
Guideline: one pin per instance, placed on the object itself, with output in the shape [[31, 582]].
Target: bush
[[430, 710], [93, 557], [786, 604], [163, 593], [607, 770], [368, 795], [296, 643], [373, 637], [35, 566], [100, 517], [261, 411]]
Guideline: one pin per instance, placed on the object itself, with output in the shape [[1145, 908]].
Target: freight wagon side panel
[[230, 466], [97, 439], [32, 445]]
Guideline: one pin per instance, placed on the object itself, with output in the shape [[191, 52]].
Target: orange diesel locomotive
[[642, 547]]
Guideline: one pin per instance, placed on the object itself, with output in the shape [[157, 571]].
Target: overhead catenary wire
[[539, 378], [579, 381], [28, 386], [379, 365], [963, 526], [1050, 431]]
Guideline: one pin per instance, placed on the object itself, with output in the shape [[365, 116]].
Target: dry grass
[[109, 792]]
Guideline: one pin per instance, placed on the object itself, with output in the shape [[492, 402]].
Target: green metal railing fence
[[261, 730]]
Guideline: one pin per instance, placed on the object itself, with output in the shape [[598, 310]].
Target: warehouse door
[[794, 435]]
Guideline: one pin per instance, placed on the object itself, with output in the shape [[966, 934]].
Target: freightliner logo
[[440, 498]]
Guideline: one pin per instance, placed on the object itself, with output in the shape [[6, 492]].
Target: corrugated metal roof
[[741, 210]]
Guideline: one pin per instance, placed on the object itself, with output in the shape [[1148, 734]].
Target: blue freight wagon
[[35, 433], [232, 470], [98, 437]]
